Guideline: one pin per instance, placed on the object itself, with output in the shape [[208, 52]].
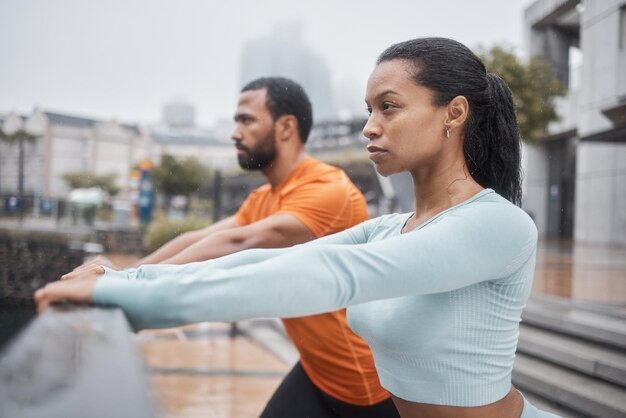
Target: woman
[[437, 293]]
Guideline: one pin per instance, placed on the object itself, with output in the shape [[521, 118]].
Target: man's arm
[[186, 240], [283, 229], [224, 238], [169, 249], [276, 231]]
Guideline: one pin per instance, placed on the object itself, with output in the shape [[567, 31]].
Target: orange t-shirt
[[324, 199]]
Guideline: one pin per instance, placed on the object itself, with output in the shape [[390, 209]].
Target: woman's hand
[[99, 260], [76, 287], [84, 271]]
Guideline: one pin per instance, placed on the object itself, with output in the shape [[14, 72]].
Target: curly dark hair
[[491, 137], [286, 97]]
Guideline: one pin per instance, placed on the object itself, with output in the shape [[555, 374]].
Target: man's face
[[254, 131]]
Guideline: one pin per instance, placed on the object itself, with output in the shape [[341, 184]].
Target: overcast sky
[[124, 58]]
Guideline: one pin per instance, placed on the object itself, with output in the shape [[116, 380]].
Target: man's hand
[[78, 290]]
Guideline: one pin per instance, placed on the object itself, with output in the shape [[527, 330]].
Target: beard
[[259, 156]]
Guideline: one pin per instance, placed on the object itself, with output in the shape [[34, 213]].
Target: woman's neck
[[437, 191]]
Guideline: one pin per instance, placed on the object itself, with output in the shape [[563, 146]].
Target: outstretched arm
[[184, 241], [78, 285], [270, 232], [166, 251], [276, 231], [290, 226], [253, 256], [455, 252]]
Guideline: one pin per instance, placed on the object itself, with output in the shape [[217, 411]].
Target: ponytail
[[492, 143], [491, 139]]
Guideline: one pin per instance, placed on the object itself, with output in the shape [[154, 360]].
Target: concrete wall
[[535, 187], [600, 175], [601, 167], [601, 194]]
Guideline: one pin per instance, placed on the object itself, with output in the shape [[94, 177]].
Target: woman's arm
[[455, 252], [78, 285]]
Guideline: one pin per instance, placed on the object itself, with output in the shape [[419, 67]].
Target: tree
[[534, 88], [20, 137], [173, 177], [86, 179]]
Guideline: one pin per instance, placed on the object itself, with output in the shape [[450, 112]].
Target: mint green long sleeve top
[[439, 305]]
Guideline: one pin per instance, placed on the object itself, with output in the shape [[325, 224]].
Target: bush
[[105, 213], [163, 230]]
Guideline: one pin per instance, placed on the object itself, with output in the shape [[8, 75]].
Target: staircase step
[[552, 407], [617, 310], [582, 323], [592, 359], [583, 394]]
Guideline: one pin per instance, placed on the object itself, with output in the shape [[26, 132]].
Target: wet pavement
[[581, 272], [199, 371]]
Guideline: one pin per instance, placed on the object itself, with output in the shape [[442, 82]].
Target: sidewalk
[[199, 371]]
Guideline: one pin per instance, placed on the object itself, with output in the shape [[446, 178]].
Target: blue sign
[[146, 197], [46, 206], [12, 204]]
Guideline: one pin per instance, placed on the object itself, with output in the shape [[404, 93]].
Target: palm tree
[[20, 137]]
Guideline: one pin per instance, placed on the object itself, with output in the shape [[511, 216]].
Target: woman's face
[[406, 131]]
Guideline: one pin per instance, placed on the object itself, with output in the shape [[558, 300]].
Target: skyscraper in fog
[[179, 114], [284, 53]]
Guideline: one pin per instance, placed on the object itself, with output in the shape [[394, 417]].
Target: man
[[304, 199]]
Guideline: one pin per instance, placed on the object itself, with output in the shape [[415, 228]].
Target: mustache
[[241, 146]]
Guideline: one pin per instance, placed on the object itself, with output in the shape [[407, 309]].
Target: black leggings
[[298, 397]]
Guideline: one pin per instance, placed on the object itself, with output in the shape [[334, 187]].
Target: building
[[178, 135], [178, 114], [284, 53], [207, 146], [575, 184], [64, 144]]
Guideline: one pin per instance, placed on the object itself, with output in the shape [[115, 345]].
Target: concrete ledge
[[74, 362]]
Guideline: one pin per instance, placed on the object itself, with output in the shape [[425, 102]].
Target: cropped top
[[439, 306]]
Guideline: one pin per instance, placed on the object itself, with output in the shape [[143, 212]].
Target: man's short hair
[[285, 97]]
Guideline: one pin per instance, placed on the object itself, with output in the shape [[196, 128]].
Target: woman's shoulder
[[385, 225], [497, 211], [390, 219], [495, 203]]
